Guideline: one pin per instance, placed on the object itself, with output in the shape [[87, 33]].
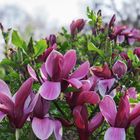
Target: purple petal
[[23, 93], [105, 85], [42, 128], [32, 72], [80, 116], [135, 112], [75, 83], [41, 108], [43, 72], [108, 109], [131, 41], [4, 88], [32, 104], [88, 97], [95, 122], [54, 64], [115, 134], [6, 104], [58, 130], [135, 121], [86, 85], [2, 115], [82, 71], [123, 112], [119, 69], [120, 38], [69, 62], [50, 90], [132, 93]]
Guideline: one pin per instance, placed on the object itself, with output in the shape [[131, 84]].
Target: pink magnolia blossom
[[56, 75], [19, 107], [43, 126]]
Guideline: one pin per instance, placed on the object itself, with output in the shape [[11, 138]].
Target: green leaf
[[92, 47], [71, 89], [40, 47], [17, 40]]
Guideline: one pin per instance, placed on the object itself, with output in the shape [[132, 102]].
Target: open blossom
[[118, 120], [105, 80], [121, 119], [86, 127], [43, 126], [56, 73], [17, 108]]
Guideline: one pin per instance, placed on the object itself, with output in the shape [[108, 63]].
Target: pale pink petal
[[115, 134], [75, 82], [105, 85], [119, 69], [57, 130], [69, 62], [32, 72], [43, 72], [50, 90], [108, 109], [120, 38], [132, 93], [82, 71], [4, 88], [52, 63], [2, 115], [42, 128], [95, 122]]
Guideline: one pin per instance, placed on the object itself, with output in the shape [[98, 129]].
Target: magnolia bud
[[119, 69], [77, 26]]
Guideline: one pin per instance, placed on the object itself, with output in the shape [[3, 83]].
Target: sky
[[52, 13], [60, 11]]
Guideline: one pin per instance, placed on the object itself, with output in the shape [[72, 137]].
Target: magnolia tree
[[82, 84]]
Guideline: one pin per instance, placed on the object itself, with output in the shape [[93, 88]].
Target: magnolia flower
[[77, 26], [18, 107], [121, 119], [119, 69], [86, 127], [56, 73], [118, 120], [43, 126], [105, 87], [102, 72], [83, 95]]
